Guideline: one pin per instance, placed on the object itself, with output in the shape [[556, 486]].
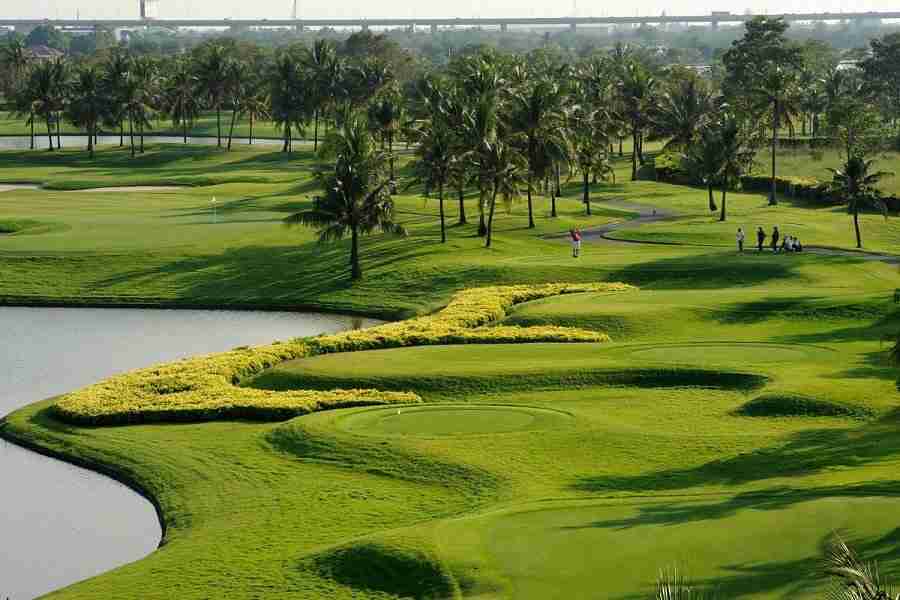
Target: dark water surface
[[60, 524]]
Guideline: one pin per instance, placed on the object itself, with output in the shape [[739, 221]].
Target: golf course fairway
[[722, 413]]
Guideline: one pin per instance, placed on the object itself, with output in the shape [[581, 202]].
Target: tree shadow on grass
[[275, 276], [789, 578], [706, 271], [875, 331], [803, 453], [799, 307]]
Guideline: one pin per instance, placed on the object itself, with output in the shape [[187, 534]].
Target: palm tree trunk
[[121, 132], [490, 223], [621, 153], [316, 130], [251, 128], [231, 129], [530, 210], [722, 215], [219, 125], [390, 140], [91, 142], [482, 226], [141, 130], [634, 135], [461, 194], [441, 204], [556, 193], [856, 226], [712, 201], [184, 130], [32, 131], [50, 134], [355, 269], [58, 124], [640, 145], [131, 134], [587, 194], [772, 199]]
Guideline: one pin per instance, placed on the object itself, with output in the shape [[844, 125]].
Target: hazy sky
[[416, 8]]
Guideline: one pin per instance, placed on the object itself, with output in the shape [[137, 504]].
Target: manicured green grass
[[204, 126], [743, 412], [803, 162]]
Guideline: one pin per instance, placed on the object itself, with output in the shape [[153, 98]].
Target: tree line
[[499, 124]]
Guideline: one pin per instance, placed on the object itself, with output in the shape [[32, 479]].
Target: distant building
[[848, 65], [43, 53]]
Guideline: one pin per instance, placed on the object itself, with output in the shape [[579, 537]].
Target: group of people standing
[[789, 243]]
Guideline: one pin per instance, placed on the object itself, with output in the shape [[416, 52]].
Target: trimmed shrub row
[[204, 388]]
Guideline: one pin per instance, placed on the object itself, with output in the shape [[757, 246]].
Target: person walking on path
[[575, 234], [760, 238], [775, 236], [740, 239]]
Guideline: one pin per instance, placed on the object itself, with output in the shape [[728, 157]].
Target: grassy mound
[[452, 419], [786, 404], [294, 375], [398, 572]]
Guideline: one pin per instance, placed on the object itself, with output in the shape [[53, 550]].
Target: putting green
[[719, 352], [723, 541], [451, 419]]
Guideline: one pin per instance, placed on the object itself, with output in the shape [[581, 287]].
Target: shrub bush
[[204, 388]]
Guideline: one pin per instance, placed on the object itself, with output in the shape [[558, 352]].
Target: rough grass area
[[654, 463], [797, 405]]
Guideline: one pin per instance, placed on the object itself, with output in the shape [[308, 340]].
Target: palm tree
[[672, 585], [88, 104], [854, 579], [43, 84], [257, 106], [858, 186], [386, 118], [735, 151], [143, 92], [478, 82], [287, 95], [115, 74], [505, 168], [213, 68], [321, 61], [14, 61], [588, 150], [180, 94], [537, 117], [776, 93], [356, 198], [703, 160], [637, 88], [436, 160], [682, 111], [238, 89]]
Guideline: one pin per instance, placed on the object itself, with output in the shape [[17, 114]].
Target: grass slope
[[656, 466]]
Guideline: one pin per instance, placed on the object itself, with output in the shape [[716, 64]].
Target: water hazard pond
[[60, 524]]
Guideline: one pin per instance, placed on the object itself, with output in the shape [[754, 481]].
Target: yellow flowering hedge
[[204, 388]]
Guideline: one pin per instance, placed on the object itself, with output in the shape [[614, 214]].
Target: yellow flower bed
[[204, 388]]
